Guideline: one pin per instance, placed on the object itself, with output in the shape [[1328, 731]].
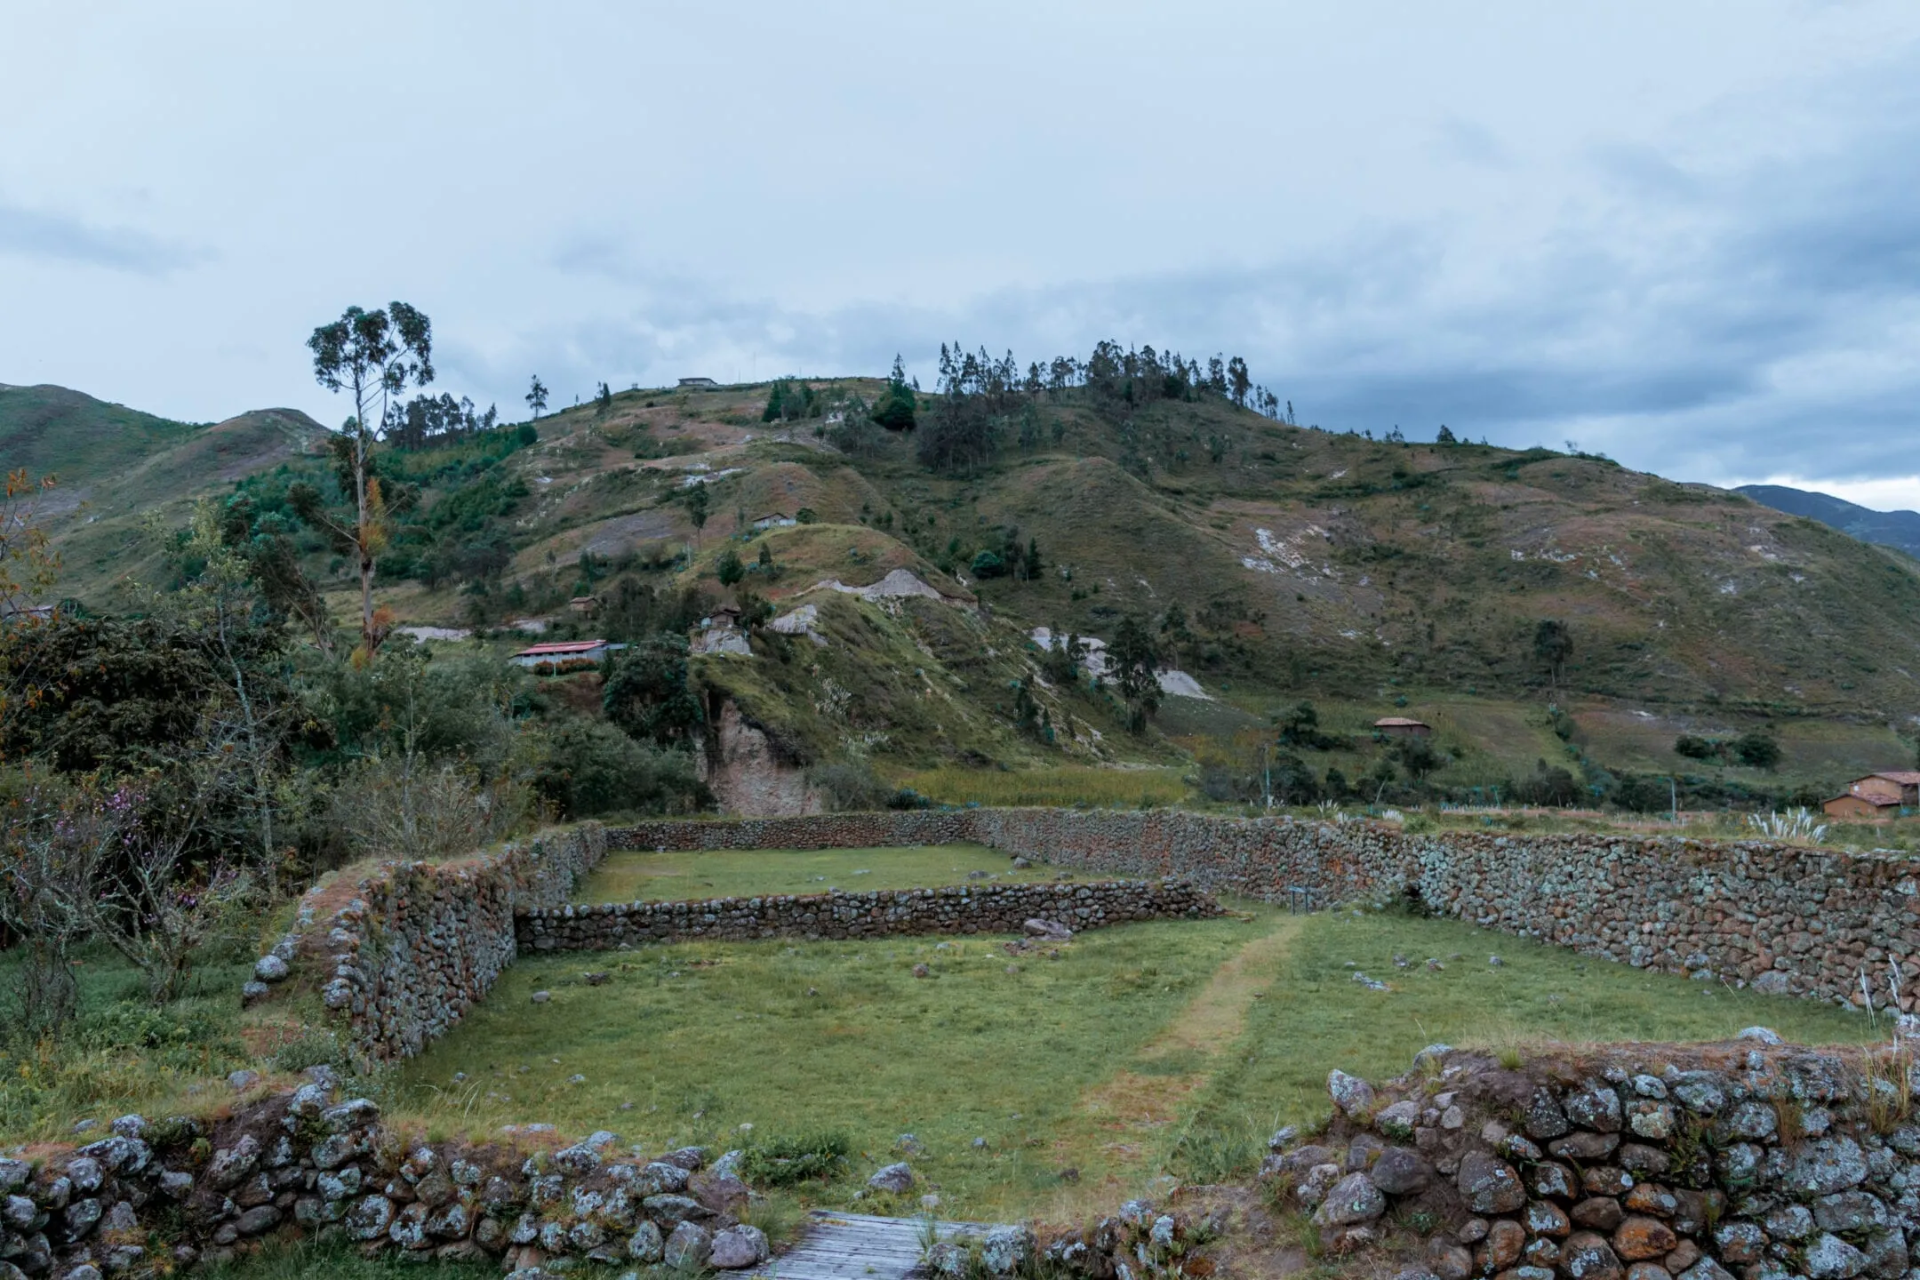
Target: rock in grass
[[541, 997], [894, 1178], [270, 968], [1351, 1094], [738, 1247], [688, 1247]]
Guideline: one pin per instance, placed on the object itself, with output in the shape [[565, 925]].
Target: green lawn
[[794, 1039], [665, 877], [1317, 1017], [1167, 1046]]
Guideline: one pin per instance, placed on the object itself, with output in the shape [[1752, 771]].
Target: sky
[[1684, 233]]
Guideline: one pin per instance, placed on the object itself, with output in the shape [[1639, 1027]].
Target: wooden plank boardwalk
[[858, 1246]]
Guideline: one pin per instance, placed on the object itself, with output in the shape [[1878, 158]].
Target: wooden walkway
[[858, 1246]]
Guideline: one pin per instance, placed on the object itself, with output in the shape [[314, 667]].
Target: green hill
[[1373, 577]]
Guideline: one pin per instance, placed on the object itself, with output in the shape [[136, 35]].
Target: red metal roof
[[559, 647]]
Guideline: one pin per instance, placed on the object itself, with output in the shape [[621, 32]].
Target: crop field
[[640, 876], [1031, 1083]]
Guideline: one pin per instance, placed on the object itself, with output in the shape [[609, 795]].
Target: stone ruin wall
[[420, 942], [1785, 919], [1632, 1162], [961, 909], [1747, 1159]]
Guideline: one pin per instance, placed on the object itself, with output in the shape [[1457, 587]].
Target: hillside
[[117, 468], [1373, 577], [1898, 529]]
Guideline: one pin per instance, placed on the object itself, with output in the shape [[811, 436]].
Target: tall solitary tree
[[537, 396], [1553, 645], [374, 355], [1134, 663]]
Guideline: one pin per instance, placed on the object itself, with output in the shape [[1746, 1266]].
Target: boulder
[[1351, 1094], [1489, 1185], [737, 1247], [894, 1178], [1352, 1201]]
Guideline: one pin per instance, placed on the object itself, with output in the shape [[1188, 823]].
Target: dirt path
[[1126, 1116]]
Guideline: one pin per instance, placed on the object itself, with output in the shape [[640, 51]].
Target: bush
[[1694, 748], [782, 1162], [849, 786], [589, 767], [1756, 750], [989, 565]]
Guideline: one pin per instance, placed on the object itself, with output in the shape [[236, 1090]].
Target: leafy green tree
[[1034, 566], [603, 401], [1133, 662], [374, 356], [537, 396], [1175, 632], [1553, 645], [1417, 757], [648, 693], [1239, 381], [988, 564], [729, 569], [699, 503], [1756, 749], [895, 408], [1300, 727], [1445, 436]]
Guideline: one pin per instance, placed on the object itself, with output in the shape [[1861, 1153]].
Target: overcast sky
[[1682, 232]]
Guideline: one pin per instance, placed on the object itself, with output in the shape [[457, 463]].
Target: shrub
[[1756, 750], [781, 1162], [850, 785], [588, 767], [1695, 748], [989, 565]]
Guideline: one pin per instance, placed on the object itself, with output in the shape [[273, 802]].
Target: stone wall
[[159, 1196], [822, 831], [1783, 918], [958, 909], [420, 942], [1639, 1161]]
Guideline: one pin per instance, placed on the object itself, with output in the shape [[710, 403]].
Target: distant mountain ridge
[[1897, 529]]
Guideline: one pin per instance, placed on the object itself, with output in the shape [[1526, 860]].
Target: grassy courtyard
[[1170, 1047], [641, 876]]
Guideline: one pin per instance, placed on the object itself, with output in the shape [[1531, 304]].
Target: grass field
[[638, 876], [1166, 1047]]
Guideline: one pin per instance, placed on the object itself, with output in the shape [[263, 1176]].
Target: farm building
[[1878, 795], [560, 653], [698, 384], [1401, 727]]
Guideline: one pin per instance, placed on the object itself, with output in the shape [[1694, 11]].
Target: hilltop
[[1898, 529], [1273, 562]]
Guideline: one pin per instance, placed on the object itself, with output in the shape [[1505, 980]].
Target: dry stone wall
[[157, 1196], [1782, 918], [420, 942], [959, 909], [1633, 1162]]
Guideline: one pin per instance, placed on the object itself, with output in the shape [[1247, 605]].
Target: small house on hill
[[566, 653], [1401, 727], [698, 384], [1878, 795], [585, 605]]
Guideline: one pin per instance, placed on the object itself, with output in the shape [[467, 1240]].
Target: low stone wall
[[820, 831], [959, 909], [421, 942], [1640, 1161], [158, 1196], [1783, 918]]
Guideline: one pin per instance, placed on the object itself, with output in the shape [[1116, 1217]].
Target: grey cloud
[[33, 233]]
